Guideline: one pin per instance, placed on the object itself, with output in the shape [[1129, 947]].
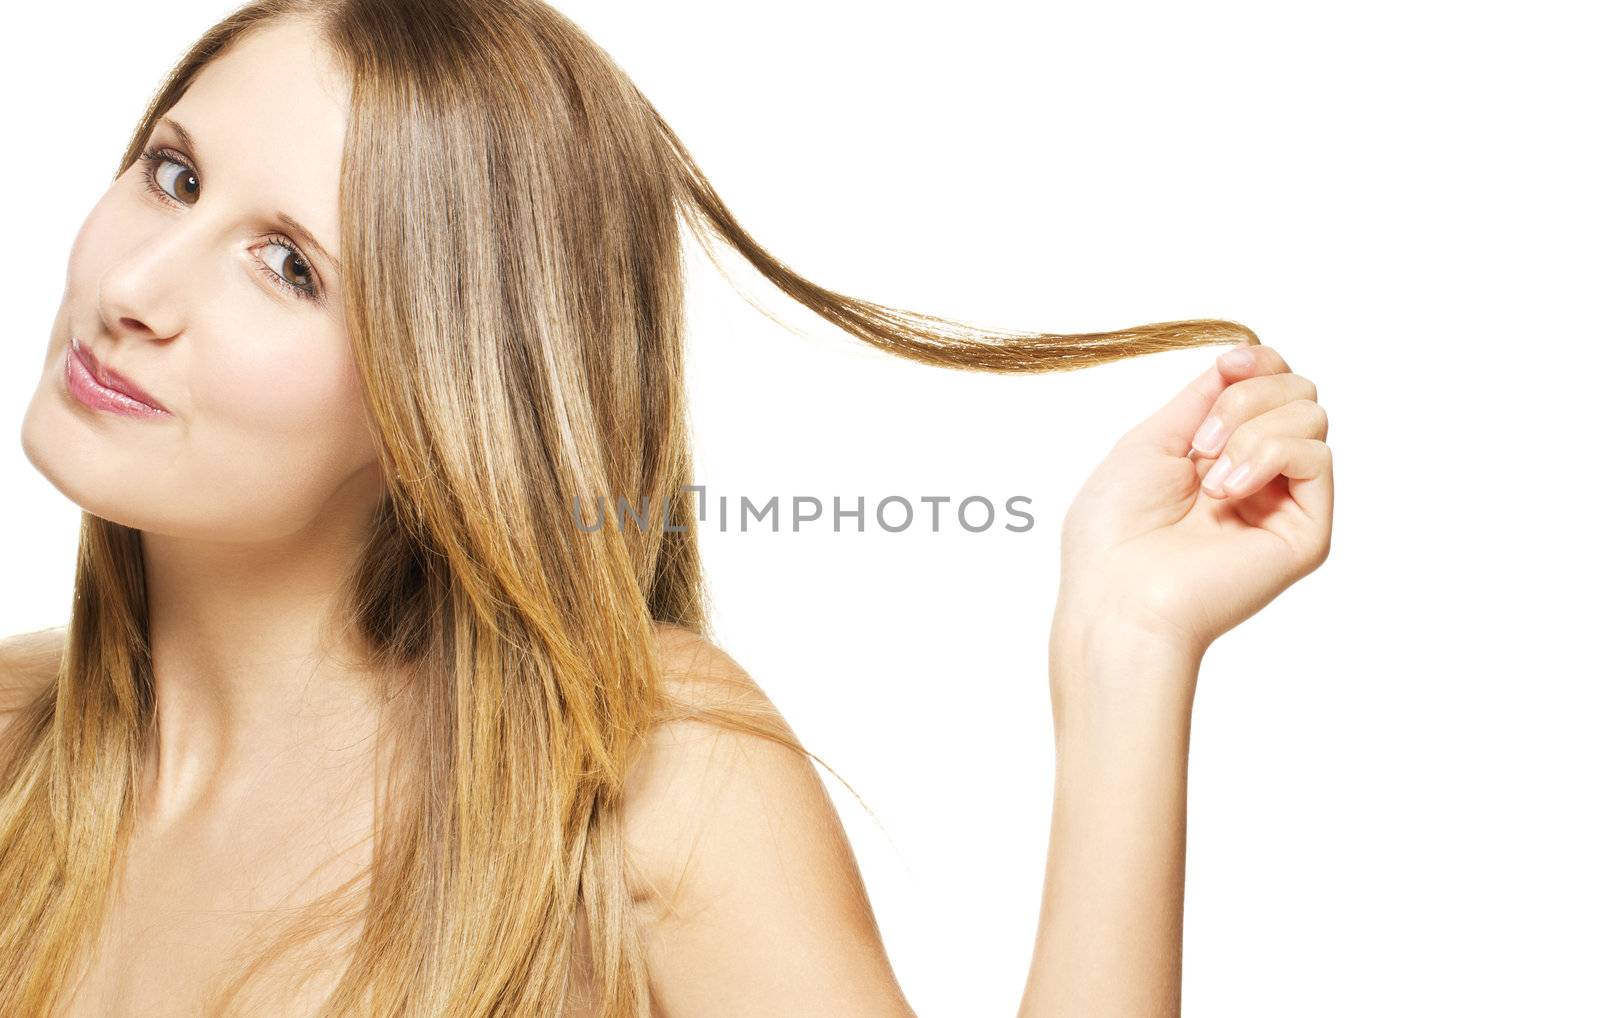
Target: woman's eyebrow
[[183, 135], [283, 221], [293, 225]]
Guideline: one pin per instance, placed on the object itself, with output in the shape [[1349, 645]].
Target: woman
[[352, 716]]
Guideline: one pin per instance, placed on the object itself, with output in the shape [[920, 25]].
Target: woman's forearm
[[1110, 936]]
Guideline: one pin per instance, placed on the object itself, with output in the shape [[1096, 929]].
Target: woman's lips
[[96, 386]]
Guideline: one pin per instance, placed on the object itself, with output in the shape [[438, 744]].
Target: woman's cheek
[[283, 395], [94, 249], [276, 438]]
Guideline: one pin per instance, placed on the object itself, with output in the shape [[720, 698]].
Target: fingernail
[[1213, 481], [1236, 477], [1238, 358], [1209, 438]]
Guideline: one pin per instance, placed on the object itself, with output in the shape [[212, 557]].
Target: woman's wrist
[[1111, 669], [1110, 929]]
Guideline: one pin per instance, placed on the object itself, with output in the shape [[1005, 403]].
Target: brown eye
[[292, 268], [184, 184], [292, 271]]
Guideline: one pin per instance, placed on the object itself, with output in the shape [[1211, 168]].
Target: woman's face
[[184, 280]]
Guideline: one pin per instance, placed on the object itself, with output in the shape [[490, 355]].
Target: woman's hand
[[1179, 548]]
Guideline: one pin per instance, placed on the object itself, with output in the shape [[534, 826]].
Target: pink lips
[[100, 388]]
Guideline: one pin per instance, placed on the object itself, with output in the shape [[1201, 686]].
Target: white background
[[1392, 780]]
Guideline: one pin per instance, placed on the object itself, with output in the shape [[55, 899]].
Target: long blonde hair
[[543, 368]]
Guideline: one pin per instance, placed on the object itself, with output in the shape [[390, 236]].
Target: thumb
[[1171, 428]]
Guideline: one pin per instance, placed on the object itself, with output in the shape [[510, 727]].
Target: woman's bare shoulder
[[29, 662], [694, 664], [728, 831]]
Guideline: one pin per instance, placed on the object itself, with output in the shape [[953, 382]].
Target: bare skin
[[197, 894], [252, 498]]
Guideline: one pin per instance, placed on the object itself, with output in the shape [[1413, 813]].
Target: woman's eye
[[184, 185], [293, 268]]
